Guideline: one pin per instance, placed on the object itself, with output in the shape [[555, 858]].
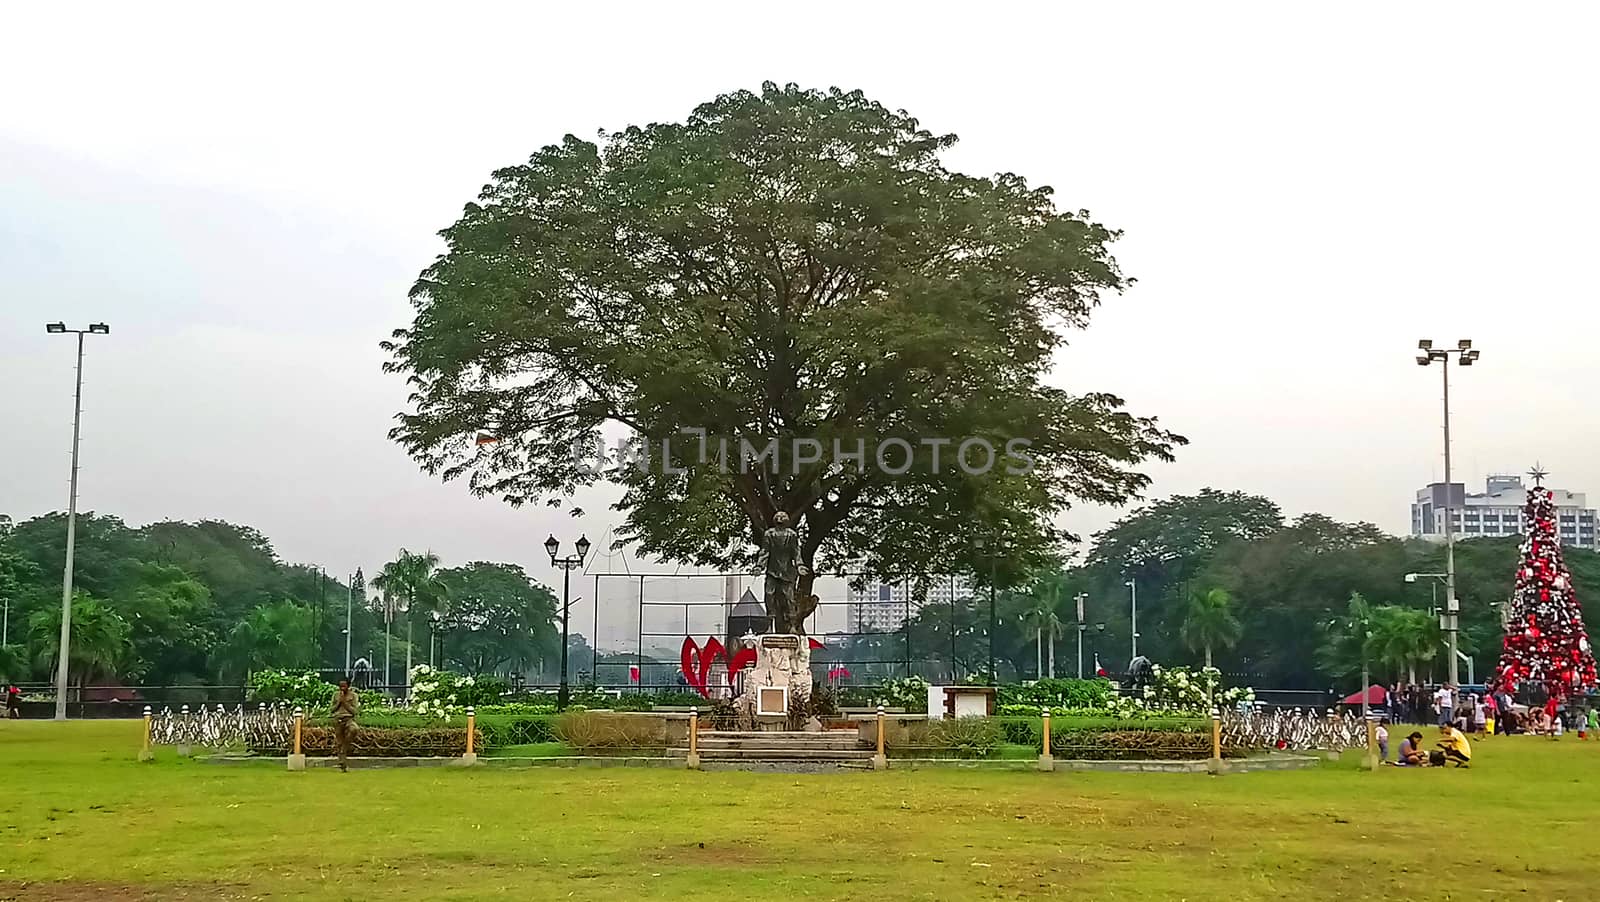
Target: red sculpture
[[697, 660]]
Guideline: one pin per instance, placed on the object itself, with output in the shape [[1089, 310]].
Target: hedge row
[[1087, 739], [380, 742]]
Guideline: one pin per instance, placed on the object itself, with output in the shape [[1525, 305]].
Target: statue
[[782, 547], [1141, 672]]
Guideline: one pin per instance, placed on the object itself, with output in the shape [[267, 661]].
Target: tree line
[[1220, 576], [205, 603], [1224, 576]]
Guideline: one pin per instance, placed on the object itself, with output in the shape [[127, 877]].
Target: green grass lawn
[[80, 819]]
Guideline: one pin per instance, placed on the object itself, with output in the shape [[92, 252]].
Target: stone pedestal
[[297, 762], [782, 660]]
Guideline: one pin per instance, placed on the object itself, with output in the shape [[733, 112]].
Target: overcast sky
[[246, 194]]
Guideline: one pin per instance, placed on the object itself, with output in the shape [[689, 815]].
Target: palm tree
[[1343, 644], [413, 579], [1402, 637], [1208, 622], [100, 639]]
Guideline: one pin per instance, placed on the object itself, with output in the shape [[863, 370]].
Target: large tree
[[794, 266], [495, 617]]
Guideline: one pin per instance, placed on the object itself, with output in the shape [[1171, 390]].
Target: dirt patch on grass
[[100, 891]]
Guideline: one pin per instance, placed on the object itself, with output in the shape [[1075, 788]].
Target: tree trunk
[[408, 654], [1038, 651], [1208, 654], [1052, 654]]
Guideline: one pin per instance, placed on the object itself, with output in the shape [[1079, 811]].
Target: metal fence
[[1293, 729]]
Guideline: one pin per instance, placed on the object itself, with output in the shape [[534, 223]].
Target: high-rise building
[[883, 607], [1498, 512]]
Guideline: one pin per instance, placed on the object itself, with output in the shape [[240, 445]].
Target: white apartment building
[[1498, 512], [883, 607]]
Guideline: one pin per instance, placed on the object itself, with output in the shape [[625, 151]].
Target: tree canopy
[[194, 603], [790, 266]]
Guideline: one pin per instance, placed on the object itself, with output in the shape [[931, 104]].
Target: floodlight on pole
[[64, 649], [1466, 355]]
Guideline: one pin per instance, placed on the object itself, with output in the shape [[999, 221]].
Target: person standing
[[1480, 716], [1444, 705], [13, 703], [346, 705]]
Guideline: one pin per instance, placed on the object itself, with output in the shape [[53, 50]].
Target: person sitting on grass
[[1411, 754], [1453, 743]]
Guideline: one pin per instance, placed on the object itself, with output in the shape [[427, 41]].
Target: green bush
[[495, 730], [377, 742], [515, 709], [909, 694], [965, 737], [961, 737], [303, 688], [1111, 738], [1053, 693]]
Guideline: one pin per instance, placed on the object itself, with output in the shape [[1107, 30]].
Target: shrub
[[590, 731], [376, 742], [961, 737], [910, 693], [1191, 691], [964, 737], [515, 709], [445, 694], [304, 688], [1054, 693]]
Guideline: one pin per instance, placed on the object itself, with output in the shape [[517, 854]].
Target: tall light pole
[[1133, 613], [388, 623], [567, 564], [1464, 354], [72, 513]]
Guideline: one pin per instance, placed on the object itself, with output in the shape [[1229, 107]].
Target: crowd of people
[[1487, 713], [1459, 714]]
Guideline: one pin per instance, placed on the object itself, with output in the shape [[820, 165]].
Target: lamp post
[[349, 608], [567, 564], [72, 512], [1080, 598], [1133, 613], [1466, 356]]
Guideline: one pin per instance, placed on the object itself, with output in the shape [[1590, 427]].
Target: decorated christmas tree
[[1545, 643]]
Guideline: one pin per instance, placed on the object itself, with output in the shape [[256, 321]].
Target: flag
[[1098, 670], [813, 644], [485, 438], [633, 673]]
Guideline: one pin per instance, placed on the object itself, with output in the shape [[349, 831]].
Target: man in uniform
[[346, 704]]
